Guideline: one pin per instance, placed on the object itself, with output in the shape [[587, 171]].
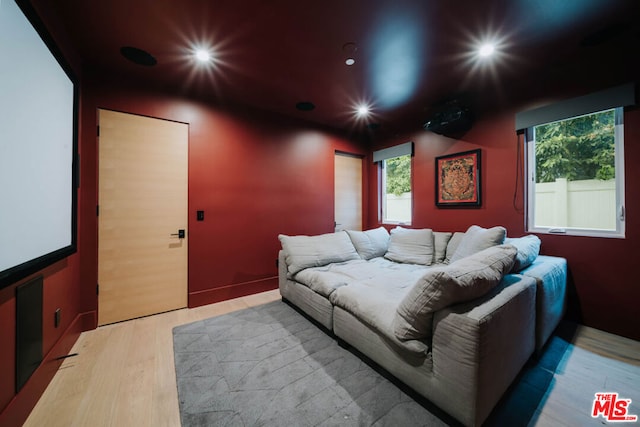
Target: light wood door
[[142, 192], [348, 192]]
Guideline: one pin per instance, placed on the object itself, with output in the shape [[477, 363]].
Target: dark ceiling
[[410, 55]]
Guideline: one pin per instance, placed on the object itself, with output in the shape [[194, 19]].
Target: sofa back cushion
[[528, 250], [454, 241], [314, 251], [440, 243], [371, 243], [476, 239], [440, 287], [411, 246]]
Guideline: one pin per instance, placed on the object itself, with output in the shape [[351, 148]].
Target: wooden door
[[348, 192], [142, 193]]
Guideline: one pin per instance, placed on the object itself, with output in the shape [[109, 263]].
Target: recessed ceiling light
[[349, 50], [203, 55], [486, 50], [362, 110]]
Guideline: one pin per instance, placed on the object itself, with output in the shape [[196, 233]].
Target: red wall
[[498, 173], [254, 174], [60, 290], [604, 291]]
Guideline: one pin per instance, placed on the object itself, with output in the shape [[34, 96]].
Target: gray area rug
[[271, 366]]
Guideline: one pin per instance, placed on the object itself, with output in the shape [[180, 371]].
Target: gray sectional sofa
[[454, 316]]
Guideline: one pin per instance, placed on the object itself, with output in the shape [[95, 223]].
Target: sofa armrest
[[479, 347], [550, 274], [282, 270]]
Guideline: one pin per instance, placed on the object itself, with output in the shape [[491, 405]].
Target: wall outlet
[[56, 317]]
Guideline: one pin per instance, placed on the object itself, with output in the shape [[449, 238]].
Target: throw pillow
[[528, 250], [411, 246], [453, 245], [476, 239], [440, 287], [315, 251], [440, 242], [371, 243]]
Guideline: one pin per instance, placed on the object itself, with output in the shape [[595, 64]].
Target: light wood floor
[[124, 374]]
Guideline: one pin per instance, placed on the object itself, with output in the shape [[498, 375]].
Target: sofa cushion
[[371, 243], [375, 307], [313, 251], [327, 278], [528, 250], [411, 246], [440, 242], [376, 273], [452, 245], [476, 239], [464, 280]]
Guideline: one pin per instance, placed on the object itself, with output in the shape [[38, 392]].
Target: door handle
[[179, 234]]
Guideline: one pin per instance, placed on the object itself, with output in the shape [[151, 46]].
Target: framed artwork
[[458, 179]]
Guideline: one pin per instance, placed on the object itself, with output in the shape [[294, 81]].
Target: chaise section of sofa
[[476, 351], [550, 274]]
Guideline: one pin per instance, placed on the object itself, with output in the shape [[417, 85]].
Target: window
[[395, 198], [396, 190], [575, 175]]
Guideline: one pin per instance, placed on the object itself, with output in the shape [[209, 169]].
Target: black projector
[[451, 120]]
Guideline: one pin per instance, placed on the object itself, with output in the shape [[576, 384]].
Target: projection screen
[[38, 146]]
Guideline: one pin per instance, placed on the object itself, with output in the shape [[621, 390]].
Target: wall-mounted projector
[[450, 119]]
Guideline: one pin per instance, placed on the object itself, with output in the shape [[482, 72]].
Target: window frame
[[530, 162]]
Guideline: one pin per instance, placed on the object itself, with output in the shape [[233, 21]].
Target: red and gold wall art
[[458, 179]]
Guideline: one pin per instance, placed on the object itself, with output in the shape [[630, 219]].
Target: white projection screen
[[38, 146]]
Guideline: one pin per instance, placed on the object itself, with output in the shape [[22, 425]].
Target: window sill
[[388, 222], [577, 232]]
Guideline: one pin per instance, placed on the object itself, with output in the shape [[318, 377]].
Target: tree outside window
[[576, 149]]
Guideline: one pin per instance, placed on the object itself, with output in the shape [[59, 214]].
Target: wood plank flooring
[[124, 375], [558, 388]]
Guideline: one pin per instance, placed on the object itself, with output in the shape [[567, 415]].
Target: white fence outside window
[[589, 204], [399, 207]]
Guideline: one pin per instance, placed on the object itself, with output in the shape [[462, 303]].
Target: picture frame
[[458, 181]]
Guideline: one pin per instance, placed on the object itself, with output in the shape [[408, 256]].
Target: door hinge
[[97, 288], [98, 130], [97, 210]]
